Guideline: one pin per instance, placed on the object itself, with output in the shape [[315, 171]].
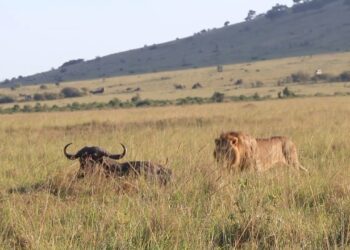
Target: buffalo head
[[89, 157]]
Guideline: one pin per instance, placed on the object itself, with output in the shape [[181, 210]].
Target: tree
[[226, 23], [297, 1], [251, 15], [277, 11]]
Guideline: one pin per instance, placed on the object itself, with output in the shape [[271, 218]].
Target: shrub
[[242, 97], [256, 96], [277, 11], [190, 100], [46, 96], [51, 96], [69, 92], [114, 102], [43, 86], [310, 5], [27, 109], [286, 93], [136, 98], [144, 103], [345, 76], [218, 97], [6, 99], [38, 97], [220, 68], [15, 108], [300, 77], [324, 77]]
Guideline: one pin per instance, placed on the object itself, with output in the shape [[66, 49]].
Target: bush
[[190, 100], [46, 96], [220, 68], [300, 77], [51, 96], [43, 86], [218, 97], [69, 92], [286, 93], [324, 77], [256, 96], [38, 97], [136, 98], [310, 5], [27, 109], [6, 99], [144, 103], [345, 76], [114, 102], [277, 11]]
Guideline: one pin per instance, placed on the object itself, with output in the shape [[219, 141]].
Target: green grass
[[42, 206]]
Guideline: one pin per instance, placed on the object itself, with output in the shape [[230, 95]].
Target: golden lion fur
[[240, 151]]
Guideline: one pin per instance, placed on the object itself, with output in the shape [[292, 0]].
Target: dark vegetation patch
[[138, 102]]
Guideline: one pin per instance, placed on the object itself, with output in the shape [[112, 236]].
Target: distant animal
[[239, 151], [318, 72], [197, 86], [97, 91], [92, 158]]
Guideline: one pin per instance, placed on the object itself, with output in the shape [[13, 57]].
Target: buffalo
[[92, 158]]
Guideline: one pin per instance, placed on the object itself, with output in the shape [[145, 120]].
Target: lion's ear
[[234, 141]]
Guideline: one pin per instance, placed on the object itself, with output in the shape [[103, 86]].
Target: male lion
[[239, 151]]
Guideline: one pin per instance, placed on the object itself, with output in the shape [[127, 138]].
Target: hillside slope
[[316, 31]]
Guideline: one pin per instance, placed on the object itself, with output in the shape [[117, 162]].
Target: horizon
[[51, 41]]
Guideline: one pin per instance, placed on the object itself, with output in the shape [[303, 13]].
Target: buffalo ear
[[234, 141]]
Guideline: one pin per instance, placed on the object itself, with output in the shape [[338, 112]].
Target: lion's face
[[226, 149]]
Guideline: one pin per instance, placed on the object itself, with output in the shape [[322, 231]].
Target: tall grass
[[42, 205]]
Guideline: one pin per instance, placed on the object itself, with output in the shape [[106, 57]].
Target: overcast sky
[[37, 35]]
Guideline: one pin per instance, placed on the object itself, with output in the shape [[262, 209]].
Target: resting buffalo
[[93, 157]]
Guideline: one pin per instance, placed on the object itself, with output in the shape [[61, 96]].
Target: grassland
[[161, 85], [42, 206]]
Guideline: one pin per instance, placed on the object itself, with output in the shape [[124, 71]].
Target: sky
[[37, 35]]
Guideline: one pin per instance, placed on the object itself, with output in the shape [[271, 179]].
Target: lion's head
[[228, 149]]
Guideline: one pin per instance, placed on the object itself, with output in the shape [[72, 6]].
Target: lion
[[239, 151]]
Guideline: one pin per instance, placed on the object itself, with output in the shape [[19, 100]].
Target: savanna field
[[43, 206]]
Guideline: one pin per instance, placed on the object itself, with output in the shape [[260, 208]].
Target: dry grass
[[42, 206], [161, 85]]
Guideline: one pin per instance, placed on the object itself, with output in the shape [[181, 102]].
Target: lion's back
[[274, 150]]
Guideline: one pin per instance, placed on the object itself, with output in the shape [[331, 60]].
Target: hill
[[315, 27]]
